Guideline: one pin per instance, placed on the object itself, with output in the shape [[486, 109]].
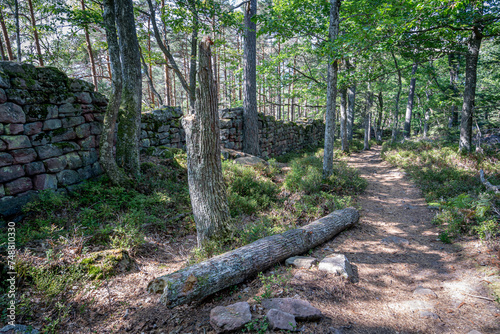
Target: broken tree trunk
[[203, 279], [488, 184]]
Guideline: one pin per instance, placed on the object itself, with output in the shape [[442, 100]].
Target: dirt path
[[396, 250]]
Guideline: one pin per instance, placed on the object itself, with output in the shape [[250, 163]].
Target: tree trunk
[[89, 50], [192, 63], [107, 158], [351, 100], [6, 38], [368, 116], [396, 102], [343, 119], [206, 185], [427, 117], [35, 33], [409, 105], [472, 58], [454, 67], [250, 117], [127, 149], [378, 132], [18, 30], [203, 279], [331, 92], [2, 51], [168, 89]]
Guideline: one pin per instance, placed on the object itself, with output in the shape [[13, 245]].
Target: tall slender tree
[[409, 105], [127, 90], [35, 33], [250, 117], [18, 31], [6, 38], [331, 90], [106, 147]]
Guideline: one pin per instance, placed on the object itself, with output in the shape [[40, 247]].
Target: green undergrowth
[[265, 200], [450, 182], [60, 232]]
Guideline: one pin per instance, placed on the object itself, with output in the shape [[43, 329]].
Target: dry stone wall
[[49, 132], [276, 137], [163, 128], [50, 126]]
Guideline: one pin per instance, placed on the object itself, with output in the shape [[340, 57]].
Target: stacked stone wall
[[50, 128], [276, 137], [163, 127], [49, 132]]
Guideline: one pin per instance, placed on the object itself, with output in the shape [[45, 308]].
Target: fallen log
[[203, 279]]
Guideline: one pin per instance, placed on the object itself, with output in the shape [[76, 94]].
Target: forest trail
[[409, 281]]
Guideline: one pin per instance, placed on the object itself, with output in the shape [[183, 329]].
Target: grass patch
[[306, 175]]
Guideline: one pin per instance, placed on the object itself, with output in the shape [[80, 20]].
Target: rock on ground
[[429, 315], [302, 262], [421, 291], [250, 161], [301, 309], [18, 329], [281, 320], [395, 240], [230, 318], [337, 264]]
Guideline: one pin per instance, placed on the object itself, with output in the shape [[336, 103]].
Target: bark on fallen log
[[203, 279]]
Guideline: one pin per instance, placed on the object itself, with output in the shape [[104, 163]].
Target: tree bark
[[471, 60], [396, 102], [351, 100], [368, 116], [107, 158], [343, 120], [331, 92], [206, 185], [379, 130], [454, 67], [6, 38], [409, 105], [250, 117], [18, 30], [2, 51], [89, 50], [35, 33], [192, 63], [203, 279], [127, 148]]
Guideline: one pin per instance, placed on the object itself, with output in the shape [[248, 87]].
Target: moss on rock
[[107, 263]]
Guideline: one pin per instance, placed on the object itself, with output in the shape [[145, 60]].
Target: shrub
[[306, 174], [248, 191]]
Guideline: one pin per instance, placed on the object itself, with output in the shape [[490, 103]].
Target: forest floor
[[395, 252]]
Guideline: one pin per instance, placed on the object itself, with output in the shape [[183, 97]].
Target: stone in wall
[[49, 132]]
